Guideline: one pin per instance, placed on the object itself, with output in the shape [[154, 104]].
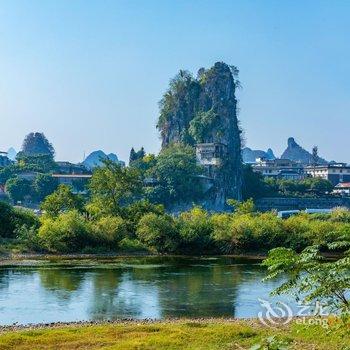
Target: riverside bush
[[264, 231], [7, 226], [247, 232], [69, 232], [145, 226], [108, 231], [159, 232], [12, 218], [195, 229]]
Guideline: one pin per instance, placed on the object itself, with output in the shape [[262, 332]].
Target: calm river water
[[150, 287]]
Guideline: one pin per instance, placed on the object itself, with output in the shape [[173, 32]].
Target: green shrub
[[267, 232], [158, 232], [196, 230], [25, 217], [109, 231], [340, 215], [29, 238], [233, 233], [62, 200], [13, 218], [134, 212], [132, 245], [7, 225], [67, 233], [221, 234], [259, 232]]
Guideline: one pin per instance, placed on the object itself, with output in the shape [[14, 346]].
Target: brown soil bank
[[177, 334]]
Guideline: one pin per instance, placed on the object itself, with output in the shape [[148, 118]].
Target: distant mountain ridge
[[293, 152], [94, 159], [249, 155], [299, 154]]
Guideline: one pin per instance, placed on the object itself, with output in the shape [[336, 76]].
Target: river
[[139, 288]]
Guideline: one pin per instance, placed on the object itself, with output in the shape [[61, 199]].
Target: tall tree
[[176, 171], [63, 199], [36, 143], [18, 188], [43, 185], [132, 156], [315, 158], [141, 153], [112, 187]]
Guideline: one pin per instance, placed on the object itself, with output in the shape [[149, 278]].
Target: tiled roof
[[343, 185]]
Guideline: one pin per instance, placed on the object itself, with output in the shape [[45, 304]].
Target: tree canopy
[[177, 174], [36, 143], [113, 186], [18, 188], [63, 199]]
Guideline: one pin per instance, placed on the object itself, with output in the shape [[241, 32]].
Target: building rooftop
[[73, 175], [328, 166], [343, 185]]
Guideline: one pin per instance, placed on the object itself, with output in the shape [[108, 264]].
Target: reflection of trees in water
[[62, 281], [194, 287], [4, 279], [154, 288], [8, 275], [201, 291], [103, 283], [117, 294]]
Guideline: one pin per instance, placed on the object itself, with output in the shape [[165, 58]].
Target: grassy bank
[[177, 334]]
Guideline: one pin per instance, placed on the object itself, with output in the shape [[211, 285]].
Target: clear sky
[[90, 73]]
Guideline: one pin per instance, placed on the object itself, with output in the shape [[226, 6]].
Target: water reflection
[[61, 282], [131, 288]]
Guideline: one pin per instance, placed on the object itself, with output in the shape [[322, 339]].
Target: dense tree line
[[119, 220], [256, 186]]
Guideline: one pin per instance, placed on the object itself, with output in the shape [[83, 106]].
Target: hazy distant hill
[[249, 155], [299, 154], [11, 153], [95, 158]]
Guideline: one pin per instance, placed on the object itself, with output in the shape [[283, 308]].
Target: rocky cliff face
[[204, 110], [94, 159], [298, 154], [250, 155]]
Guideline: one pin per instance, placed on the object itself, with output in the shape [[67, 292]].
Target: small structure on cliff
[[202, 112], [211, 156]]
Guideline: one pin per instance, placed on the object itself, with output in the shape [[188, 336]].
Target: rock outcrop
[[250, 155], [298, 154], [11, 153], [204, 110], [95, 159]]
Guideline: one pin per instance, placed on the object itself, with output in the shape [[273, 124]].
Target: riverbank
[[172, 334], [14, 259]]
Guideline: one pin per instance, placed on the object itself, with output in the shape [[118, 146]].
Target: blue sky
[[89, 74]]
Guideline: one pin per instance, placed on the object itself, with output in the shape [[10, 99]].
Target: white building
[[335, 173], [279, 168]]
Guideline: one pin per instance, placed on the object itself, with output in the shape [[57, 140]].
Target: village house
[[335, 172], [70, 168], [210, 156], [77, 181], [342, 188], [279, 169]]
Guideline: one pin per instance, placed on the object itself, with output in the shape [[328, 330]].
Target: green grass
[[181, 334]]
